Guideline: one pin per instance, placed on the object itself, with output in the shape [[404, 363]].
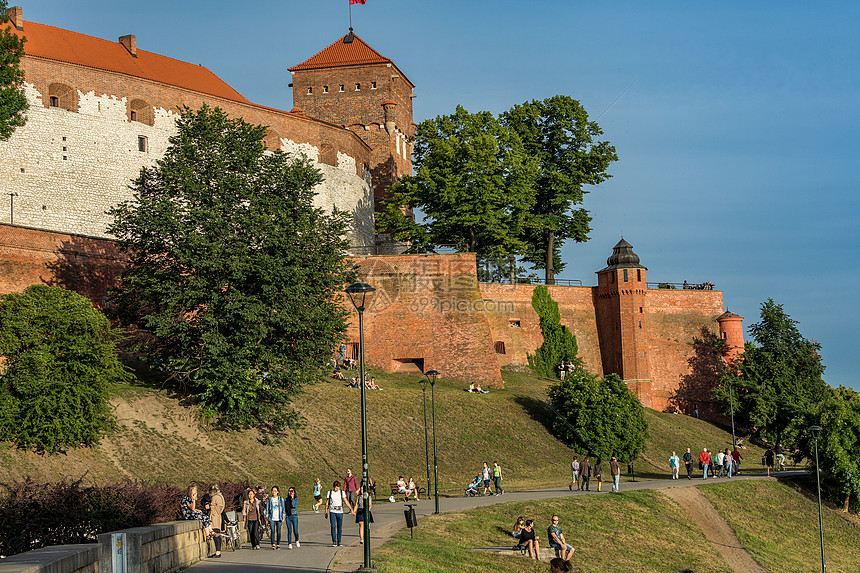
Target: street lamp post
[[424, 383], [732, 408], [357, 295], [431, 376], [815, 431]]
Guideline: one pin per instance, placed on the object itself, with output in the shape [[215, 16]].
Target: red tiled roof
[[339, 54], [65, 46]]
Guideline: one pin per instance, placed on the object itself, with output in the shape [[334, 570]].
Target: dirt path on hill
[[715, 528]]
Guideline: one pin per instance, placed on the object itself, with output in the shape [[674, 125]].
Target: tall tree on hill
[[13, 102], [233, 273], [599, 415], [472, 182], [558, 133], [839, 418], [779, 377]]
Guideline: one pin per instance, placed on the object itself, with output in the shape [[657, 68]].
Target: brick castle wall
[[69, 166], [428, 312]]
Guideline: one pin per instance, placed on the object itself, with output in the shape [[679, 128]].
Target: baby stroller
[[473, 488]]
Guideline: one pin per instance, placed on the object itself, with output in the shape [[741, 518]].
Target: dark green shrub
[[57, 362]]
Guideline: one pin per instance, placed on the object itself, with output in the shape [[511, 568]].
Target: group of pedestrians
[[721, 464], [261, 512], [581, 473], [494, 473]]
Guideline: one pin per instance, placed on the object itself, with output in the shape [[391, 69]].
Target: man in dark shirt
[[585, 473], [615, 471], [688, 462]]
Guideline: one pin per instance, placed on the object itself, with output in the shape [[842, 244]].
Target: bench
[[395, 491]]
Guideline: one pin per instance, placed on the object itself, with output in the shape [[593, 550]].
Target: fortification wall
[[675, 318], [69, 166], [514, 322], [427, 313]]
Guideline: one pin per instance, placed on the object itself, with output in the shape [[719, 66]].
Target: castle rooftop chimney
[[129, 43], [16, 16]]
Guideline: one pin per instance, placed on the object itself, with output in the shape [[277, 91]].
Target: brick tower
[[732, 334], [621, 326], [351, 84]]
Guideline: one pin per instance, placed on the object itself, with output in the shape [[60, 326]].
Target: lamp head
[[815, 431], [431, 376], [358, 294]]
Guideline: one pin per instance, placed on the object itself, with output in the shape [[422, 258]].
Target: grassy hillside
[[642, 531], [161, 439], [778, 526]]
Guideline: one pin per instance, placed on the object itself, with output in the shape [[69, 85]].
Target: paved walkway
[[317, 555]]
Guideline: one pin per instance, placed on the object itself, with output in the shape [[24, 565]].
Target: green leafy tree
[[233, 273], [839, 443], [13, 102], [558, 133], [779, 378], [600, 415], [58, 361], [558, 342], [472, 182]]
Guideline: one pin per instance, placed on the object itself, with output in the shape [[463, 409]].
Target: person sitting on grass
[[517, 531], [529, 540], [556, 540]]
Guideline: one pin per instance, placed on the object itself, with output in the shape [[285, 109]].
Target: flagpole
[[350, 15]]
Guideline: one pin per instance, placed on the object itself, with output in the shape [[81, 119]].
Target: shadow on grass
[[146, 376], [538, 410]]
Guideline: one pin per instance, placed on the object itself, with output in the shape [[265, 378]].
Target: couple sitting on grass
[[523, 532]]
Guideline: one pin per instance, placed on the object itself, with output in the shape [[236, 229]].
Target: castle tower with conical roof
[[349, 83], [621, 324], [732, 334]]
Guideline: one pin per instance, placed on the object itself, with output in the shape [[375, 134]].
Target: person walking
[[705, 462], [362, 515], [675, 464], [251, 517], [727, 462], [574, 473], [688, 461], [334, 502], [585, 473], [275, 516], [615, 471], [292, 511], [485, 476], [719, 463], [736, 461], [497, 478], [216, 508], [768, 460], [350, 486], [317, 495], [598, 473]]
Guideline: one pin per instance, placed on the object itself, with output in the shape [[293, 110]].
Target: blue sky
[[737, 138]]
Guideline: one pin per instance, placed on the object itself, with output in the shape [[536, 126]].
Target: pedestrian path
[[317, 555]]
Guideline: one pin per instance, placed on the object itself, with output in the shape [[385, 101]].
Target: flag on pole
[[351, 2]]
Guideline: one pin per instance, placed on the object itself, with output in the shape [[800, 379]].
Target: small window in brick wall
[[638, 274], [142, 144], [625, 275], [139, 110], [358, 87], [514, 323], [500, 347], [62, 96], [341, 87], [325, 89], [328, 154], [373, 85]]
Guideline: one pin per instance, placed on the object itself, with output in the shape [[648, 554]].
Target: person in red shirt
[[705, 460], [736, 459], [350, 486]]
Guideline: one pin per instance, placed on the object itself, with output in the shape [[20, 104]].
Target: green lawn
[[778, 526], [641, 531]]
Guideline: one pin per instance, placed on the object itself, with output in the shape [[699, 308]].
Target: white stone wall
[[69, 168]]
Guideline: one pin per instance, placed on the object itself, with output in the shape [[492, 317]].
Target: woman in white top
[[334, 502]]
